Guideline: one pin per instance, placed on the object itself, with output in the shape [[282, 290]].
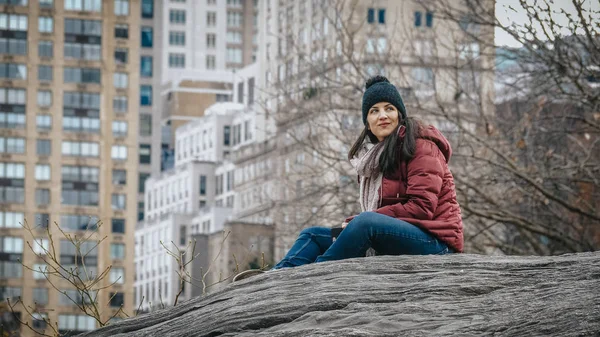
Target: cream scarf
[[366, 164]]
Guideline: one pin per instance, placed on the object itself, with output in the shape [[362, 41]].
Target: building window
[[72, 257], [43, 147], [118, 152], [42, 196], [147, 37], [45, 73], [234, 3], [140, 211], [429, 19], [146, 66], [117, 275], [177, 38], [13, 71], [83, 5], [45, 49], [44, 98], [116, 300], [234, 19], [45, 3], [145, 95], [14, 28], [145, 153], [118, 225], [121, 7], [42, 172], [40, 246], [423, 78], [12, 249], [119, 177], [176, 60], [211, 41], [381, 16], [79, 186], [234, 55], [122, 31], [177, 16], [75, 323], [80, 149], [219, 184], [211, 61], [118, 201], [147, 9], [11, 220], [11, 245], [81, 112], [39, 320], [13, 113], [45, 24], [81, 75], [234, 37], [120, 103], [120, 80], [119, 128], [40, 271], [74, 222], [117, 251], [202, 185], [145, 124], [40, 296], [121, 55], [223, 98], [43, 122], [227, 135], [142, 182], [371, 15], [240, 92], [251, 91], [229, 181], [12, 145], [247, 131], [83, 39], [211, 19], [417, 19]]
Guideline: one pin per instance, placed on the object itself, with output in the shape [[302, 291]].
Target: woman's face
[[382, 119]]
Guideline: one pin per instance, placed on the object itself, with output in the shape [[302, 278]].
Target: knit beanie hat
[[379, 89]]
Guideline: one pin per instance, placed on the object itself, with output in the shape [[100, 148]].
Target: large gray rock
[[448, 295]]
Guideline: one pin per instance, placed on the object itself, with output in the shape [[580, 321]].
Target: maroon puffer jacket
[[422, 192]]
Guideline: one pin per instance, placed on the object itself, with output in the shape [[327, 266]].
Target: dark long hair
[[395, 149]]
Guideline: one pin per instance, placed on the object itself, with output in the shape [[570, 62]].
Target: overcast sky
[[506, 16]]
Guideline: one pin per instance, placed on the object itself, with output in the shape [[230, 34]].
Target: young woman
[[407, 194]]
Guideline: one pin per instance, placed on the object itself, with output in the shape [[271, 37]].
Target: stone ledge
[[449, 295]]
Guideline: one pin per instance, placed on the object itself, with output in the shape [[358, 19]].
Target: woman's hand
[[344, 224]]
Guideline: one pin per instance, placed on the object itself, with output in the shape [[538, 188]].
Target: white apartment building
[[195, 197]]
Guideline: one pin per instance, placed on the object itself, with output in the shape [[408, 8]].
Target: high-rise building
[[69, 143], [188, 40], [189, 52]]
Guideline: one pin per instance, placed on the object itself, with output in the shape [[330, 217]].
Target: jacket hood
[[434, 135]]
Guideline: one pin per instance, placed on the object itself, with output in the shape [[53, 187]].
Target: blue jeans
[[387, 235]]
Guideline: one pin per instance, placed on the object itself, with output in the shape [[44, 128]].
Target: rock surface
[[448, 295]]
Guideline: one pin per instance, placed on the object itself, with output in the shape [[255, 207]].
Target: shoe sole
[[246, 274]]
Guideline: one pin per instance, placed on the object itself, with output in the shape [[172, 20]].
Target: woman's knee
[[364, 219], [316, 231]]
